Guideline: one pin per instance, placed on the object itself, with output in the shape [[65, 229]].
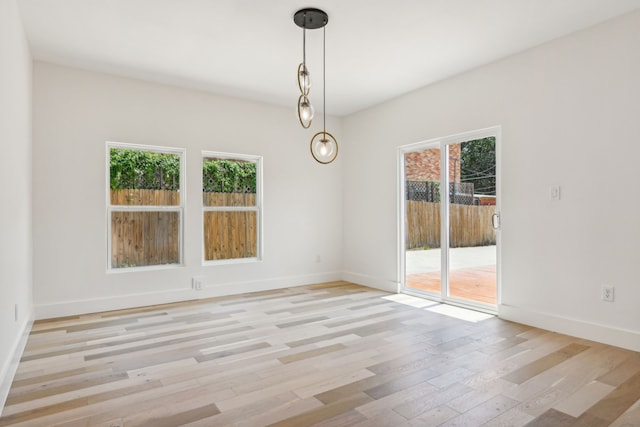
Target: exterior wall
[[425, 165]]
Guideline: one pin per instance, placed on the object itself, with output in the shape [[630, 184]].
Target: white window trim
[[258, 208], [181, 152]]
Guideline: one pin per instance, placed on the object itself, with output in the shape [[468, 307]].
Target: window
[[145, 206], [232, 207]]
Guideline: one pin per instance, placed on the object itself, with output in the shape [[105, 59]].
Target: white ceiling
[[376, 49]]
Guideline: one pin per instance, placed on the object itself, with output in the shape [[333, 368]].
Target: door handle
[[495, 221]]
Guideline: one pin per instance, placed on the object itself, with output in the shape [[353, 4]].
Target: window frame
[[258, 208], [181, 152]]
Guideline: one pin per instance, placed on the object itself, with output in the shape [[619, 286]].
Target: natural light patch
[[409, 300], [460, 313]]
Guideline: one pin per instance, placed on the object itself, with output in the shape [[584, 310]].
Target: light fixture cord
[[304, 42], [324, 80]]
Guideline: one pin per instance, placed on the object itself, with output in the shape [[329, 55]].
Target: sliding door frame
[[443, 144]]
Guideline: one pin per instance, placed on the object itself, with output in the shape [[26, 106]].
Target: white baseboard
[[370, 281], [268, 284], [8, 371], [96, 305], [591, 331]]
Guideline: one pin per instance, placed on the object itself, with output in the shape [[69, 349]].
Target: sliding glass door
[[450, 220]]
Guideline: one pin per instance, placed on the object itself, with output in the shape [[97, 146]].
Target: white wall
[[15, 178], [570, 116], [76, 111]]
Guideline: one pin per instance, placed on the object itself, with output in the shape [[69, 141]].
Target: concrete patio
[[472, 273]]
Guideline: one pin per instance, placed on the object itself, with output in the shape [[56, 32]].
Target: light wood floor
[[328, 355]]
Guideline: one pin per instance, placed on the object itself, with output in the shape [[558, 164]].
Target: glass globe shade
[[324, 147], [304, 79], [306, 110]]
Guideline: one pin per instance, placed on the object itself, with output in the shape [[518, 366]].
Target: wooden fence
[[230, 235], [469, 225], [144, 238], [145, 197], [229, 199], [152, 238]]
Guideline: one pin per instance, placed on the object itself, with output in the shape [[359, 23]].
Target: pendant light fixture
[[324, 147]]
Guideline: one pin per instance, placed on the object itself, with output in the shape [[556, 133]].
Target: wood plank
[[553, 418], [547, 362], [326, 411], [310, 353], [614, 404]]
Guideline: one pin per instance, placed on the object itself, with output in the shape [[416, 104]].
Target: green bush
[[138, 169], [228, 176]]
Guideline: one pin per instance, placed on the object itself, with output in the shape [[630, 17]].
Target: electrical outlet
[[196, 283], [608, 293], [554, 193]]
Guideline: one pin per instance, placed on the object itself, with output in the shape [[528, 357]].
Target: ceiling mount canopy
[[324, 147], [310, 18]]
